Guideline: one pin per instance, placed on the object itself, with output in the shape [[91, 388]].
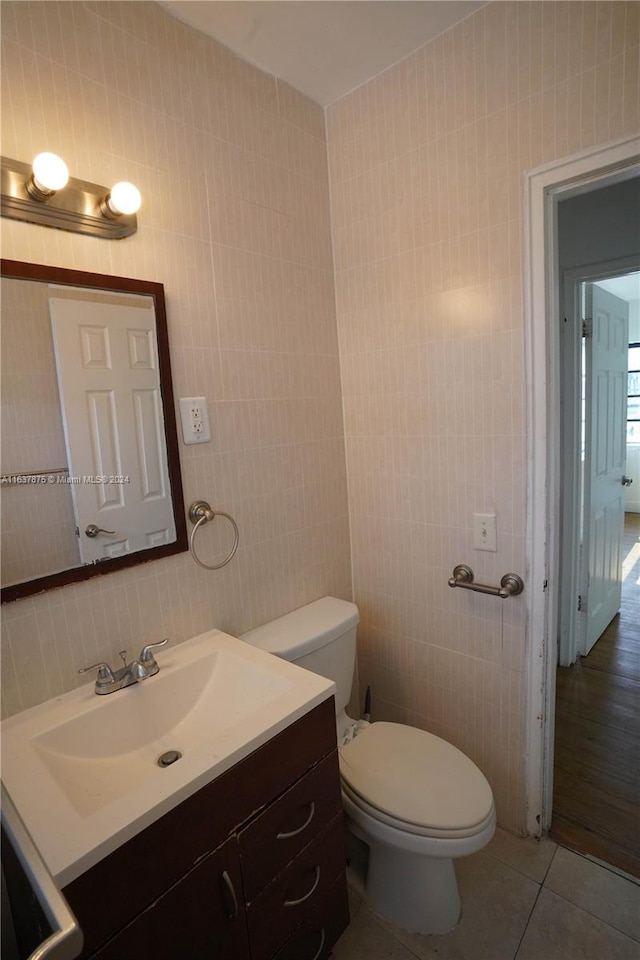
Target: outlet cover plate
[[194, 415]]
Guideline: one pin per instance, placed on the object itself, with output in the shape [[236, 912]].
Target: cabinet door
[[201, 917]]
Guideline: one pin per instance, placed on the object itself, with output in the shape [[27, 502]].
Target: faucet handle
[[139, 670], [146, 656], [105, 673]]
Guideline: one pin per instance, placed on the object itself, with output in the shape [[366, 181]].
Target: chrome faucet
[[109, 680]]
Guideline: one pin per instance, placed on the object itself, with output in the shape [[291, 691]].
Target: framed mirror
[[90, 466]]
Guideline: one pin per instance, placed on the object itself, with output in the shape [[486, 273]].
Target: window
[[633, 401]]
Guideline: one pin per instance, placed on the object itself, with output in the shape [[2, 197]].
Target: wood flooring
[[596, 795]]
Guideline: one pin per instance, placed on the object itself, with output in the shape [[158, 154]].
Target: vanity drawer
[[277, 836], [290, 900], [314, 939]]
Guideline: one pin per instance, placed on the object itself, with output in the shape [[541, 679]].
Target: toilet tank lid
[[306, 629]]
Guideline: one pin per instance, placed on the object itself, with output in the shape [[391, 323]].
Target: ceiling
[[627, 287], [324, 48]]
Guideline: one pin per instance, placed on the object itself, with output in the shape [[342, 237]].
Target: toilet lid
[[416, 777]]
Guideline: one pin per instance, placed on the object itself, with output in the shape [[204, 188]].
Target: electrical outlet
[[194, 416], [485, 533]]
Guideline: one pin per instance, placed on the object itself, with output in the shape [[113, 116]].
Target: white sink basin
[[83, 769], [102, 754]]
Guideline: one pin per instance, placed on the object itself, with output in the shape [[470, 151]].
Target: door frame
[[543, 188], [572, 572]]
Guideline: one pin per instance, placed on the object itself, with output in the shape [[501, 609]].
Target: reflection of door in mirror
[[111, 407]]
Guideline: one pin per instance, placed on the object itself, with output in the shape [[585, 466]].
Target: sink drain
[[166, 759]]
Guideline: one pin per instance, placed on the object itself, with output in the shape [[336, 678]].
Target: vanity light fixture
[[45, 194]]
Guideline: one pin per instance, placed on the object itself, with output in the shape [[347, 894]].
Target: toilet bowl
[[416, 801]]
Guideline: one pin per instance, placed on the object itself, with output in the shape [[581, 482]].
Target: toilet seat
[[412, 829], [415, 782]]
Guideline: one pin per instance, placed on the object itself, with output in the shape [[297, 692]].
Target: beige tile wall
[[36, 520], [232, 167], [29, 381], [426, 169]]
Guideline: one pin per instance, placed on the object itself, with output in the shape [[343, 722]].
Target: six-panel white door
[[606, 415], [112, 413]]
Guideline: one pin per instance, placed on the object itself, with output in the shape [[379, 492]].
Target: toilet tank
[[320, 637]]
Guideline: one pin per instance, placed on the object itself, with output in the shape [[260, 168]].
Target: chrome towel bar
[[11, 477], [510, 585]]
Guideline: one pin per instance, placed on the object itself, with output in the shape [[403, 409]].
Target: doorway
[[544, 189], [596, 792]]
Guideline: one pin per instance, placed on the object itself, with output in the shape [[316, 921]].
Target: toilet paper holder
[[510, 586]]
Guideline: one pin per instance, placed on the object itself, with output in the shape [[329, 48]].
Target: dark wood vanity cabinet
[[251, 867]]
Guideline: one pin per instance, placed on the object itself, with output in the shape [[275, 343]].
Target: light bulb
[[124, 198], [50, 171]]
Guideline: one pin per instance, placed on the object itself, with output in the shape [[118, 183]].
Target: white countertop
[[75, 824]]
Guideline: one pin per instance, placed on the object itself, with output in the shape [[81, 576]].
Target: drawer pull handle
[[294, 833], [295, 903], [232, 914], [321, 947]]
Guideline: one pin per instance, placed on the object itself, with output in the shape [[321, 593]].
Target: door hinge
[[587, 327], [582, 603]]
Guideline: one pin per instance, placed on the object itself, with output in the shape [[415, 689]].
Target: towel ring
[[199, 513]]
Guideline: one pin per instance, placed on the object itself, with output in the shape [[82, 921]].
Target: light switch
[[194, 415], [485, 532]]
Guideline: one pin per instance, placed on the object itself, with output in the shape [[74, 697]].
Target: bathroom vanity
[[252, 865], [234, 851]]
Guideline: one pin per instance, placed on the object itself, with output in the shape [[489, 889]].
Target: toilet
[[414, 800]]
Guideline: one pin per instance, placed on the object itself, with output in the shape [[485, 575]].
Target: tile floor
[[521, 900]]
